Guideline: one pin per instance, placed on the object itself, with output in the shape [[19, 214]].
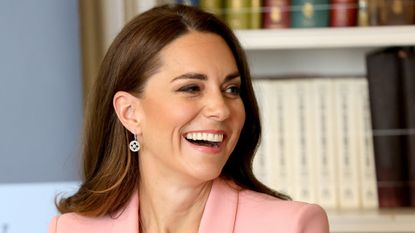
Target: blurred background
[[346, 156], [40, 109]]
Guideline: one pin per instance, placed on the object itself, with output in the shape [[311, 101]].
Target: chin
[[207, 174]]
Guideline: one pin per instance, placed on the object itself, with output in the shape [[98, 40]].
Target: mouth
[[205, 139]]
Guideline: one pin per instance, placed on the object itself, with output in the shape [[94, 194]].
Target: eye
[[190, 89], [233, 90]]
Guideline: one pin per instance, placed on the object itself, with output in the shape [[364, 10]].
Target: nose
[[216, 107]]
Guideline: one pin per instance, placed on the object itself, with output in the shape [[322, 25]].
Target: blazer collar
[[218, 216]]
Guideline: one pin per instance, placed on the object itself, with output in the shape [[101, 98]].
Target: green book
[[255, 14], [213, 6], [309, 13], [237, 14]]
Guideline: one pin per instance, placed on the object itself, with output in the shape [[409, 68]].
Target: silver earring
[[134, 144]]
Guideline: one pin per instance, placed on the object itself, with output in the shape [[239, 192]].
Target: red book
[[276, 14], [343, 13]]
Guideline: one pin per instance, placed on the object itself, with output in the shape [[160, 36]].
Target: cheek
[[168, 115], [239, 115]]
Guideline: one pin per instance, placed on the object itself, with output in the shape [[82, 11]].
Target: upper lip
[[215, 131]]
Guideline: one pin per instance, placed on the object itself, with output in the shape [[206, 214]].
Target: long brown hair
[[110, 169]]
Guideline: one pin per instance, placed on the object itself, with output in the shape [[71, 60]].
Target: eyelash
[[234, 90], [189, 89]]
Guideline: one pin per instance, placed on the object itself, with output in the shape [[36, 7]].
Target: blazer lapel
[[127, 222], [220, 211]]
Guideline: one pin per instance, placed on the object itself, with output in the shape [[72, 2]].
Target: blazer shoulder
[[277, 215], [76, 223]]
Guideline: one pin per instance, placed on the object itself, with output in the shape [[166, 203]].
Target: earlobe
[[126, 107]]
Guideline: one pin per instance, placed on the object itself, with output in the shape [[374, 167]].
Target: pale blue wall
[[40, 90]]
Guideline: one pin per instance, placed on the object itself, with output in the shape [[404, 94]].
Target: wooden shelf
[[396, 220], [317, 38]]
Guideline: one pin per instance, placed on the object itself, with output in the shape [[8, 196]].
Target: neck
[[168, 205]]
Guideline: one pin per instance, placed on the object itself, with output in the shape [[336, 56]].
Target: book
[[407, 57], [396, 12], [270, 133], [213, 6], [255, 14], [387, 123], [343, 13], [259, 163], [363, 13], [298, 136], [276, 14], [282, 164], [309, 13], [346, 144], [194, 3], [237, 14], [366, 160], [324, 140]]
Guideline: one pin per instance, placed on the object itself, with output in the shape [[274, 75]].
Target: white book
[[324, 137], [275, 143], [259, 163], [298, 119], [346, 144], [368, 188]]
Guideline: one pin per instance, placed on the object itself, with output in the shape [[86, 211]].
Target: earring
[[134, 144]]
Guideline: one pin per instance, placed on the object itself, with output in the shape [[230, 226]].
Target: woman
[[170, 136]]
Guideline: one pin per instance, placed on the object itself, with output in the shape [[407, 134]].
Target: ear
[[128, 109]]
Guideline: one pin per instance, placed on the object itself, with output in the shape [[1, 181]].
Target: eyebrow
[[203, 77]]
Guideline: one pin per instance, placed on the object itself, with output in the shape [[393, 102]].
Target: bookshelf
[[317, 38], [396, 220], [330, 52]]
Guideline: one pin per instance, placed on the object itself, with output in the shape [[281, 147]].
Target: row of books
[[256, 14], [317, 141], [342, 142]]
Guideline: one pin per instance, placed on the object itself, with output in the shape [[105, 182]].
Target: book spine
[[255, 14], [385, 106], [324, 136], [363, 13], [348, 172], [369, 195], [303, 154], [309, 13], [343, 13], [213, 6], [194, 3], [284, 161], [237, 14], [259, 163], [276, 14], [270, 134], [408, 75], [396, 12]]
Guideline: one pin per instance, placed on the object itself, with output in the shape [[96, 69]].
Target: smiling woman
[[176, 86]]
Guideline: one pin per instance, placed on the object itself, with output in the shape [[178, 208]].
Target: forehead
[[198, 49]]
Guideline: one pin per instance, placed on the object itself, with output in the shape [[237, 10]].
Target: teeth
[[211, 137]]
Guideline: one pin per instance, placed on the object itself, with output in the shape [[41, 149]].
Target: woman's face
[[192, 113]]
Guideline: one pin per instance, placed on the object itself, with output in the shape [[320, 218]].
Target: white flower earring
[[134, 144]]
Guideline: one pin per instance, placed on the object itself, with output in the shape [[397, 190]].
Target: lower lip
[[206, 149]]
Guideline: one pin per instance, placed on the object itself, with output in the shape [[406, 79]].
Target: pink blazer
[[227, 210]]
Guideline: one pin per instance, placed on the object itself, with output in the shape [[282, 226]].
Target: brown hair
[[110, 170]]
